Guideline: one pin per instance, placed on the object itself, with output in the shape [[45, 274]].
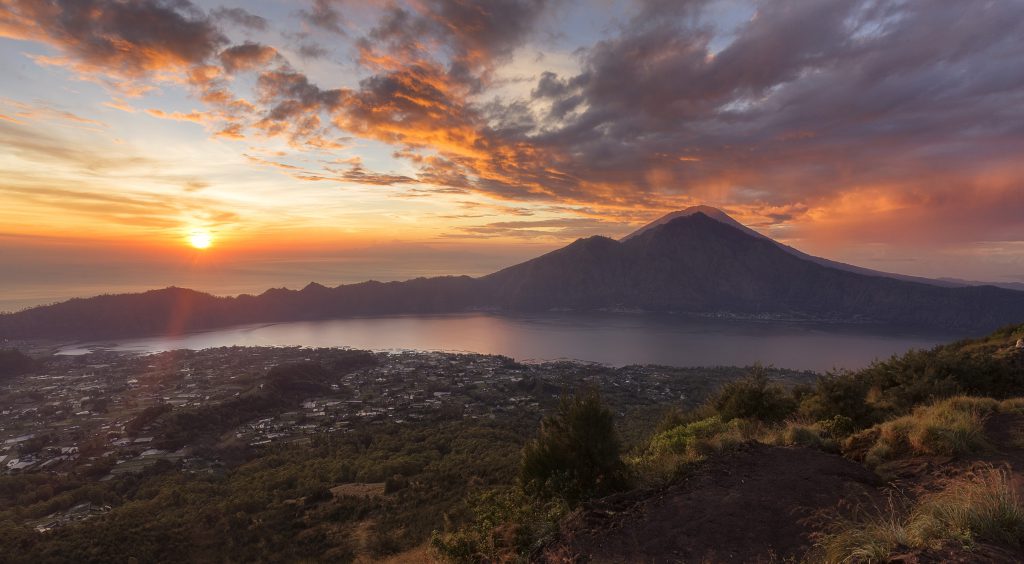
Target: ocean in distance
[[614, 339]]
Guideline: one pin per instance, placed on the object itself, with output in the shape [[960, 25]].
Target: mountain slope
[[697, 264], [692, 263], [722, 217]]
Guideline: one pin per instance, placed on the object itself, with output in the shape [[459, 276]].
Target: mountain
[[722, 217], [698, 264], [714, 213], [690, 262]]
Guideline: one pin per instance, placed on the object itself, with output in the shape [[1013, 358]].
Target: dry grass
[[871, 537], [949, 427], [984, 506], [671, 452], [794, 433], [980, 507]]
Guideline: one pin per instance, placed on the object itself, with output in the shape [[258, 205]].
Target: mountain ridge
[[692, 264]]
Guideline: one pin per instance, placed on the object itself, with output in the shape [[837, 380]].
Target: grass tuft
[[983, 506], [950, 427]]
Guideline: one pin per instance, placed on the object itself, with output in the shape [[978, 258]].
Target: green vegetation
[[913, 405], [754, 397], [277, 507], [575, 457], [576, 453], [986, 367], [481, 490], [507, 526]]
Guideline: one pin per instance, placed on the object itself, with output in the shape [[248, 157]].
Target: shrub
[[685, 438], [839, 396], [669, 452], [798, 434], [753, 397], [895, 386], [838, 427], [576, 453], [506, 526]]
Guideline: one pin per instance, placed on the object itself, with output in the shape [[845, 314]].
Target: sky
[[343, 140]]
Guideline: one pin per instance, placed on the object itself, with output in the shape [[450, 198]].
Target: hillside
[[915, 459], [690, 264], [639, 464]]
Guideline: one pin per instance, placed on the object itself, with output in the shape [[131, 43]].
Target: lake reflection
[[616, 339]]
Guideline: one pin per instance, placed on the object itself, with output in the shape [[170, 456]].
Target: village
[[86, 405], [100, 414]]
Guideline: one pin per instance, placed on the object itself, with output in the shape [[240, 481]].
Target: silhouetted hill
[[688, 264], [722, 217], [699, 264]]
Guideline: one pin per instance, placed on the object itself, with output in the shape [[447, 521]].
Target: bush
[[670, 452], [839, 396], [754, 397], [506, 527], [838, 427], [576, 453], [797, 434]]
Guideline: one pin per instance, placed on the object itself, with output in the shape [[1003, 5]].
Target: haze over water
[[616, 339]]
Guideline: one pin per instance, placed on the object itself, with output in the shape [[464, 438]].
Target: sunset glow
[[349, 133], [200, 240]]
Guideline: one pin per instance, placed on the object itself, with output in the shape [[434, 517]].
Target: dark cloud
[[324, 14], [311, 51], [294, 107], [247, 56], [241, 17], [127, 38], [809, 101], [359, 175], [474, 36]]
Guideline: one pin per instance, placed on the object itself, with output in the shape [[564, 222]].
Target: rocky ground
[[765, 504]]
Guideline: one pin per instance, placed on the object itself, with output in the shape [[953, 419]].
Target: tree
[[576, 453], [754, 397]]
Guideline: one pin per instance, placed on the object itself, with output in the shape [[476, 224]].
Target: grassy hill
[[919, 457]]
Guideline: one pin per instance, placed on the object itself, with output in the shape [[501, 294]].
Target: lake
[[615, 339]]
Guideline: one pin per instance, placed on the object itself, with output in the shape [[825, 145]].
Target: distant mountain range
[[696, 261]]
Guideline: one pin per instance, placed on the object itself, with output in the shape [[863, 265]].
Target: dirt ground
[[758, 504], [762, 503]]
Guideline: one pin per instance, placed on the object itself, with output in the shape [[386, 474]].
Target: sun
[[200, 239]]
